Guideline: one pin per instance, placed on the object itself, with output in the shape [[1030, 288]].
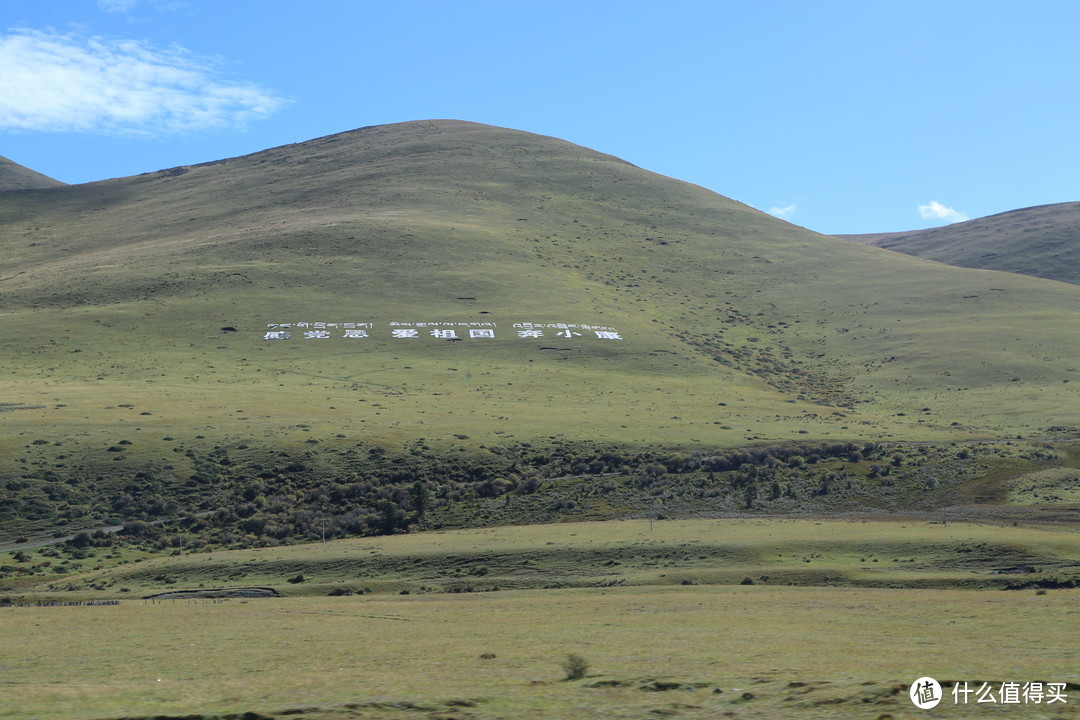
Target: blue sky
[[843, 117]]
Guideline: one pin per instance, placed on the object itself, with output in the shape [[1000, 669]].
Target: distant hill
[[1042, 241], [16, 177], [447, 290]]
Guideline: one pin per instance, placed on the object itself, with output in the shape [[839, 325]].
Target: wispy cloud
[[51, 82], [784, 213], [126, 6], [936, 211], [117, 6]]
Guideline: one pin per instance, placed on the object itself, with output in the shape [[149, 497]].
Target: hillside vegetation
[[136, 313], [16, 177], [1042, 241]]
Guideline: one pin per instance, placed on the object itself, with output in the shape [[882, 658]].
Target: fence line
[[66, 603]]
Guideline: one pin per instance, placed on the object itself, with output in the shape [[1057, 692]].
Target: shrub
[[575, 666], [296, 579], [137, 528]]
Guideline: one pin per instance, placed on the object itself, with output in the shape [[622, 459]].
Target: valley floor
[[663, 629], [689, 652]]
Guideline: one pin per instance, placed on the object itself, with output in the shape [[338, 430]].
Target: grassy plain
[[655, 646]]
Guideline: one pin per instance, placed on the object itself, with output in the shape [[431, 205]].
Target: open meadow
[[410, 626]]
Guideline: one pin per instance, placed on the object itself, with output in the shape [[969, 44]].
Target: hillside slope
[[1042, 241], [16, 177], [590, 299]]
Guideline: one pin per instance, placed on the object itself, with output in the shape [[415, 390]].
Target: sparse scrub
[[575, 667]]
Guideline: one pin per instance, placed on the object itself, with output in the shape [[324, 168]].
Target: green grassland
[[767, 381], [666, 628], [881, 553], [1058, 484], [134, 311], [139, 275]]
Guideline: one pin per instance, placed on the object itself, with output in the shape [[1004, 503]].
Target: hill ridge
[[1041, 241], [14, 176]]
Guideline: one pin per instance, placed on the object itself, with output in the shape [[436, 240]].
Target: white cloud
[[785, 213], [69, 83], [936, 211]]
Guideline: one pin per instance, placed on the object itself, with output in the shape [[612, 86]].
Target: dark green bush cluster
[[243, 496]]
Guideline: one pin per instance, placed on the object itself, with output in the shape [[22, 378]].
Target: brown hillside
[[1042, 241], [14, 176]]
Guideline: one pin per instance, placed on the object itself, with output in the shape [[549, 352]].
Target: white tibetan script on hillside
[[437, 330]]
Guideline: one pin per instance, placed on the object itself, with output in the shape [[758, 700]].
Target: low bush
[[575, 666]]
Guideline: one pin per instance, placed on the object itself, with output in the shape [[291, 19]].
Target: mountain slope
[[16, 177], [137, 310], [1042, 241]]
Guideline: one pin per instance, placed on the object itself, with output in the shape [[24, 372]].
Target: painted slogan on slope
[[453, 331]]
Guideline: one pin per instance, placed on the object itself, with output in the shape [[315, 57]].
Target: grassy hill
[[1042, 241], [136, 312], [16, 177]]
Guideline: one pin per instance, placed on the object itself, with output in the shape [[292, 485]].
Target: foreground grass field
[[691, 652], [656, 610]]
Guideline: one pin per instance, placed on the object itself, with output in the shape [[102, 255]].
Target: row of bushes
[[292, 501], [253, 496]]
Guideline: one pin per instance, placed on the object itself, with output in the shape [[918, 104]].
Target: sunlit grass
[[269, 655], [885, 553]]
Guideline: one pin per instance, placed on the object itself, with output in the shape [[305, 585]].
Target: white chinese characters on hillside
[[452, 331]]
